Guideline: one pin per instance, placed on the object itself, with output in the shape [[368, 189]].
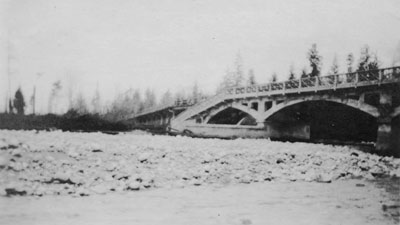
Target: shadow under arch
[[232, 116], [328, 120], [369, 109]]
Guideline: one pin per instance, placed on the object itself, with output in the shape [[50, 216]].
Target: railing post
[[380, 77], [316, 85]]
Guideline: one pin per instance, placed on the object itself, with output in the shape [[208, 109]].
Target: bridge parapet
[[309, 84], [183, 103]]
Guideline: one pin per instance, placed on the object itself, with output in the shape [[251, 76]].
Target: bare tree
[[54, 94], [80, 105], [96, 104], [149, 99]]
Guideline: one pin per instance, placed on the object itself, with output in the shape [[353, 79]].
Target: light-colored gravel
[[81, 164]]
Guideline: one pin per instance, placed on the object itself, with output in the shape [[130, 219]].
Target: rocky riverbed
[[55, 164], [59, 163]]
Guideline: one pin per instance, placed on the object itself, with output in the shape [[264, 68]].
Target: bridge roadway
[[252, 111]]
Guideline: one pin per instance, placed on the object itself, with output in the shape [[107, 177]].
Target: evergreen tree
[[350, 61], [274, 78], [19, 102], [368, 62], [364, 60], [227, 81], [374, 63], [96, 101], [252, 79], [150, 99], [304, 73], [335, 67], [315, 61], [292, 76], [233, 78], [238, 74], [195, 92], [79, 105], [167, 98]]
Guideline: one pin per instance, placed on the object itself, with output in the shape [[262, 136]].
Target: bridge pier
[[384, 135], [386, 139]]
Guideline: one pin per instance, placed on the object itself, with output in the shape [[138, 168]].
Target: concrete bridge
[[361, 106]]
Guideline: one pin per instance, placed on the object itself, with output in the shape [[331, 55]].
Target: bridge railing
[[361, 78], [177, 103]]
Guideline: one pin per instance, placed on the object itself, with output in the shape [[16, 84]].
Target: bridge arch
[[244, 109], [369, 109]]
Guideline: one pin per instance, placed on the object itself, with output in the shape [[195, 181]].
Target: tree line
[[131, 101], [368, 61]]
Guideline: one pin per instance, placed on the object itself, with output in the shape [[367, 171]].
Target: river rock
[[3, 145], [13, 143], [395, 172], [4, 161], [100, 188], [143, 157], [134, 185], [325, 178]]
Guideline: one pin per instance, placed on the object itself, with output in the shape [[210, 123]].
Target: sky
[[171, 44]]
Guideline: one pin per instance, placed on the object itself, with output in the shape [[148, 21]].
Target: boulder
[[134, 185]]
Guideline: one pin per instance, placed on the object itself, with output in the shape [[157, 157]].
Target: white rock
[[100, 188], [3, 191], [3, 144], [145, 156], [72, 153], [134, 185], [325, 178], [395, 172], [13, 142], [4, 161]]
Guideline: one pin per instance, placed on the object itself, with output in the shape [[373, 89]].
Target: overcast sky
[[171, 44]]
